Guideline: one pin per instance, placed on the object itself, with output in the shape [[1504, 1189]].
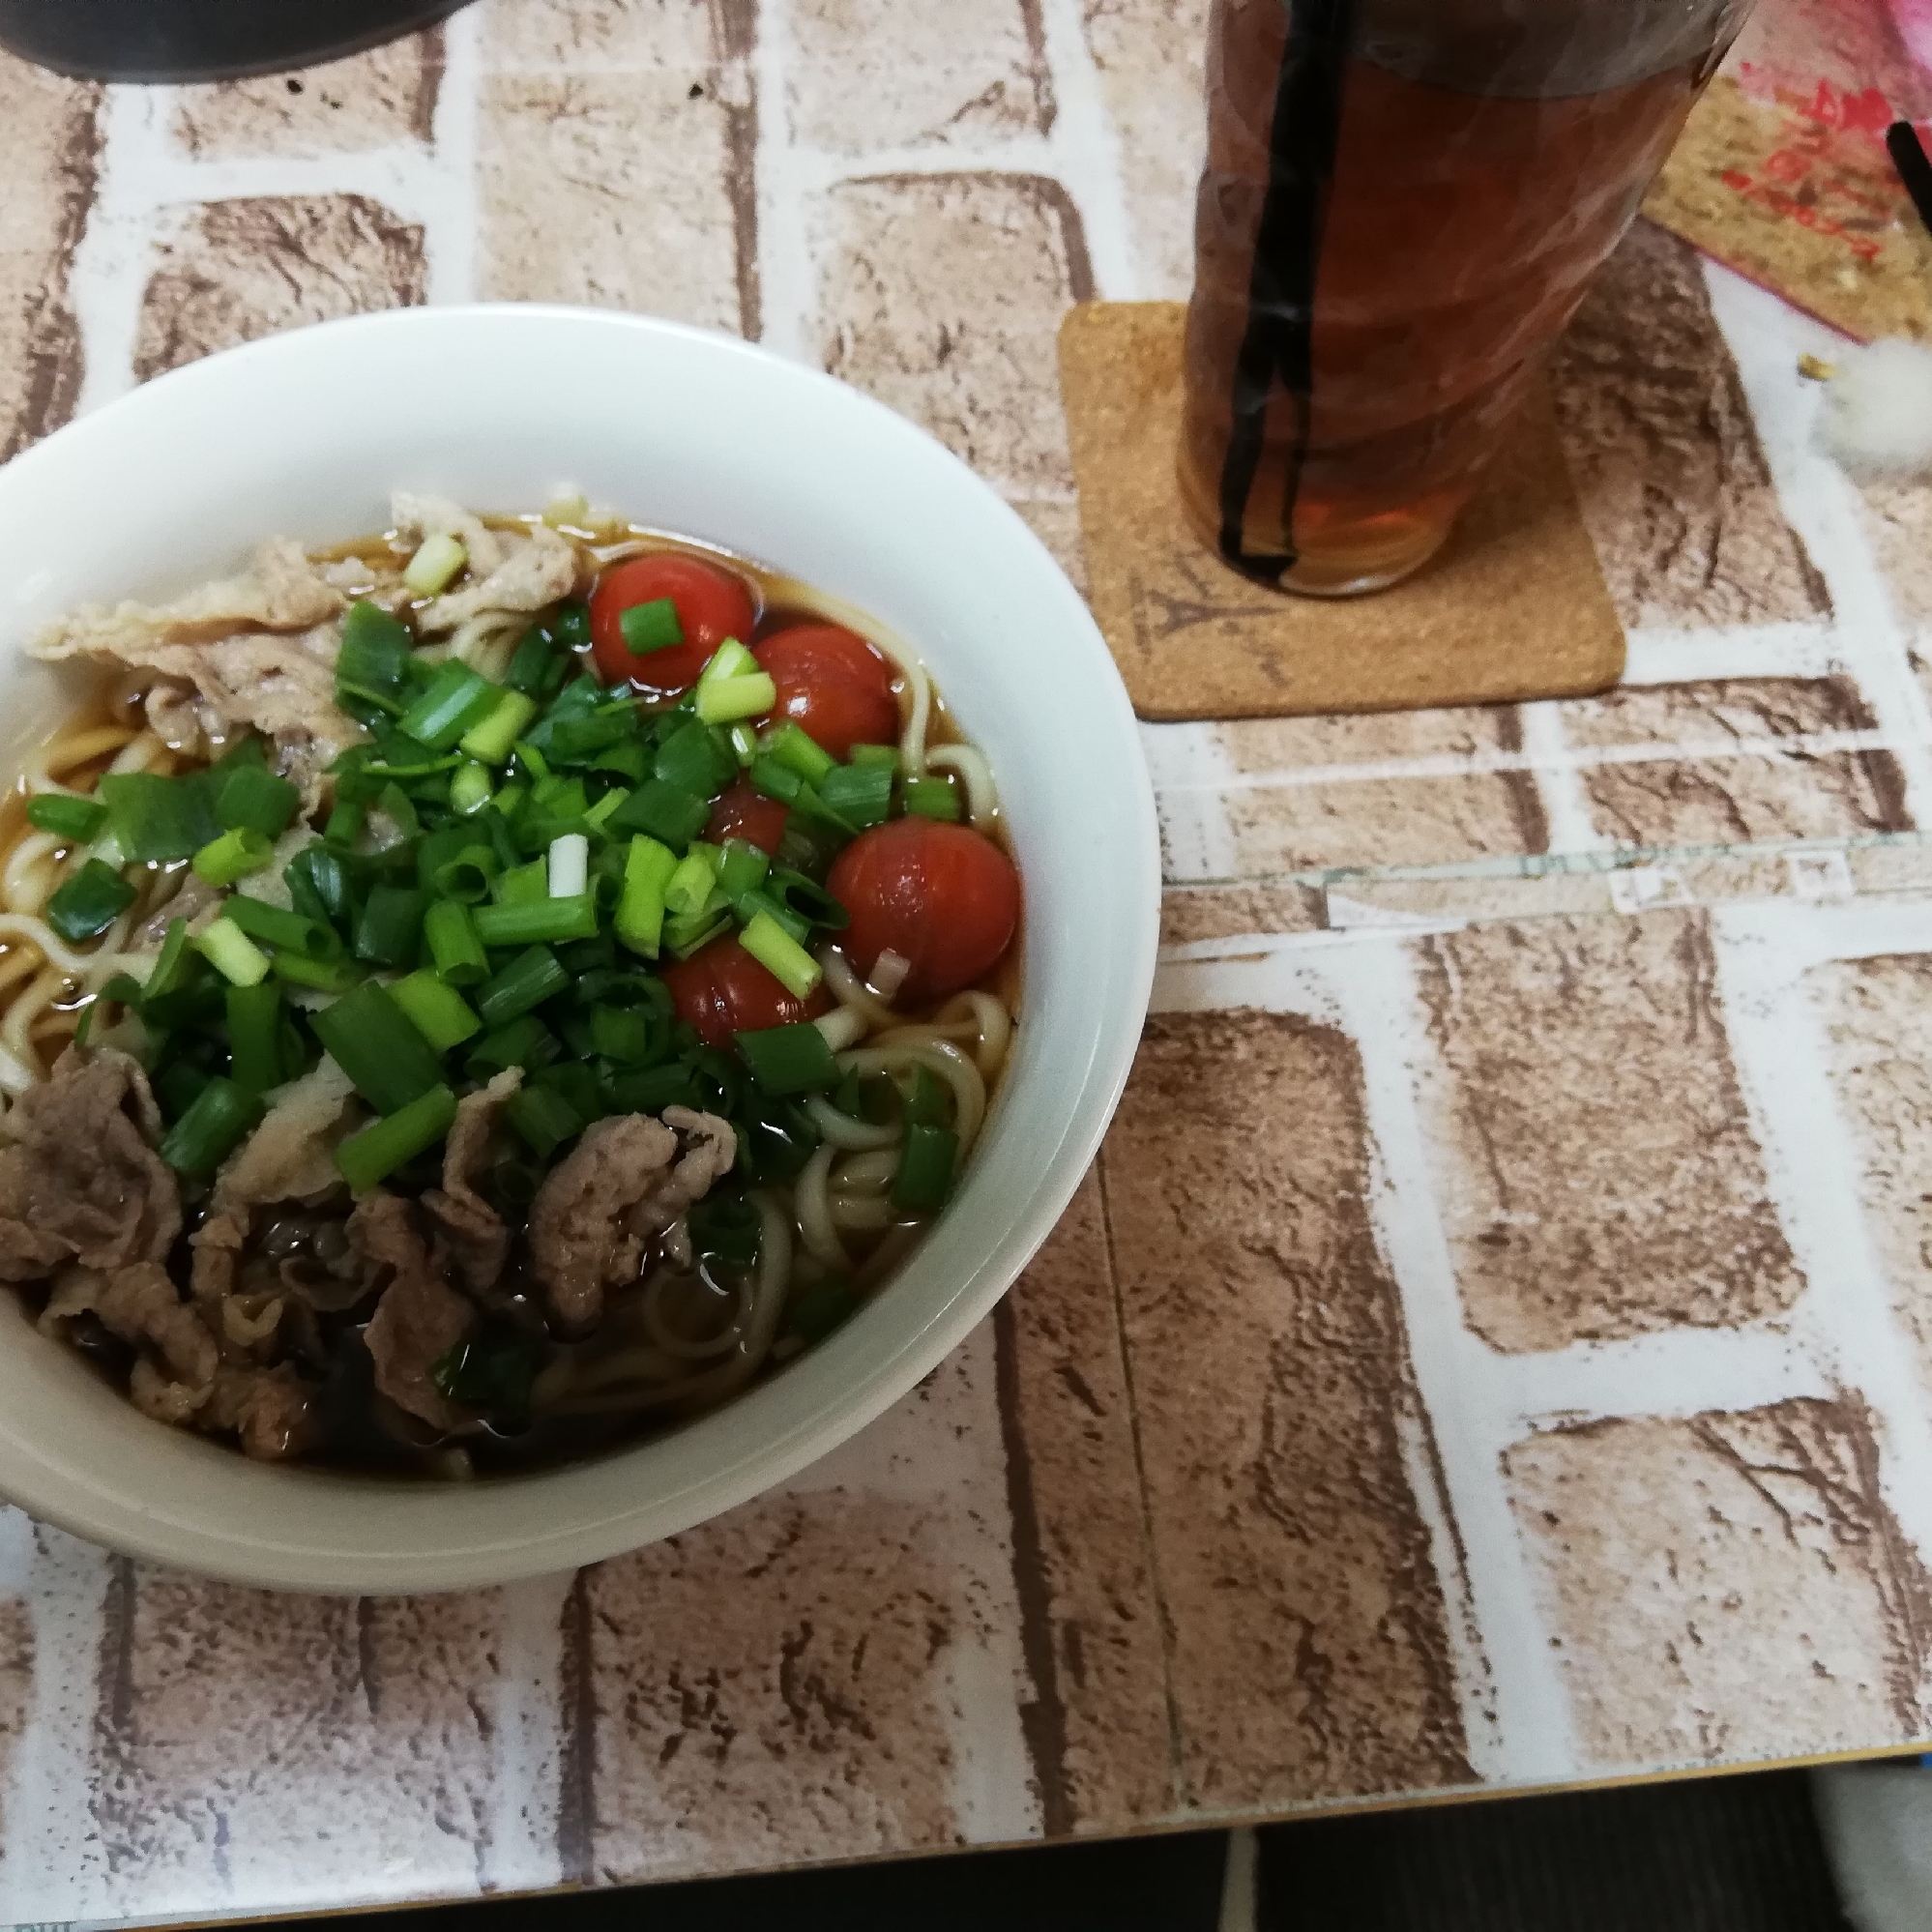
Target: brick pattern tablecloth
[[1495, 1345]]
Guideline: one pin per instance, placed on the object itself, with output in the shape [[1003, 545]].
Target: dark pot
[[202, 40]]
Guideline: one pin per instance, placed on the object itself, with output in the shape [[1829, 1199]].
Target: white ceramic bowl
[[500, 408]]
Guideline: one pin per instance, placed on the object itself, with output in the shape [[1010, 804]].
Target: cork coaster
[[1515, 606]]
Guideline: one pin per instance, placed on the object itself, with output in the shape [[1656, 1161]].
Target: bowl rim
[[49, 1491]]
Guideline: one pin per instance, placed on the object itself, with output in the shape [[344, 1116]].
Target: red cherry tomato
[[833, 685], [940, 895], [723, 990], [712, 606], [743, 812]]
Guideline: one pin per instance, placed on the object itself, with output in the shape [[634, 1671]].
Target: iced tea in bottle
[[1403, 203]]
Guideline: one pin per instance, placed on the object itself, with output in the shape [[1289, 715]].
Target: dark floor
[[1719, 1855]]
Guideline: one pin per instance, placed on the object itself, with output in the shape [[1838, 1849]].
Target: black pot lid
[[202, 40]]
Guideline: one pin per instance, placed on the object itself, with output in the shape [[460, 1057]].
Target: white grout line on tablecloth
[[1086, 157], [1766, 337]]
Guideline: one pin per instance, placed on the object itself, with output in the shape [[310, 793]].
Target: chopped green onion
[[372, 1039], [545, 1119], [324, 976], [932, 798], [807, 899], [632, 1036], [371, 1156], [790, 744], [685, 936], [345, 822], [454, 944], [252, 798], [457, 698], [467, 877], [214, 1126], [571, 626], [651, 627], [648, 868], [494, 735], [815, 1311], [758, 903], [690, 886], [527, 981], [75, 820], [628, 760], [532, 662], [864, 755], [173, 965], [731, 659], [288, 932], [254, 1037], [667, 814], [525, 1042], [924, 1183], [655, 1089], [89, 902], [743, 743], [859, 794], [730, 700], [522, 885], [441, 1013], [233, 953], [578, 1085], [930, 1103], [576, 739], [469, 787], [569, 866], [375, 652], [537, 919], [789, 1059], [727, 1226], [611, 802], [695, 759], [157, 818], [782, 955], [233, 856], [742, 869], [391, 928], [438, 557]]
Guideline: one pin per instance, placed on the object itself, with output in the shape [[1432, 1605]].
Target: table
[[1493, 1349]]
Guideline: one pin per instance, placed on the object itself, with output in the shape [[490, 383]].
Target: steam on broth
[[487, 990]]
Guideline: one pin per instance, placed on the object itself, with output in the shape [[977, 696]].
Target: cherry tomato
[[833, 685], [745, 812], [942, 896], [712, 606], [723, 990]]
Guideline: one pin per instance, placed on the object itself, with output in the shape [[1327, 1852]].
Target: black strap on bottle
[[1277, 344]]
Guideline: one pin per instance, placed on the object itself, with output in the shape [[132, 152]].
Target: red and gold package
[[1783, 174]]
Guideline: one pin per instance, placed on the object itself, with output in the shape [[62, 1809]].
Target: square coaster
[[1515, 606]]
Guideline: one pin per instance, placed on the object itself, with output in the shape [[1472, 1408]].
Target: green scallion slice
[[651, 627], [441, 1013], [233, 952], [253, 798], [254, 1037], [932, 798], [390, 926], [789, 1059], [525, 1042], [731, 699], [547, 920], [78, 821], [924, 1184], [88, 903], [233, 856], [667, 814], [469, 789], [379, 1047], [375, 652], [782, 955], [545, 1119], [221, 1114], [368, 1157], [457, 700], [823, 1307], [493, 735], [286, 931], [790, 744], [639, 923], [452, 935], [157, 819], [859, 794], [527, 982], [696, 758]]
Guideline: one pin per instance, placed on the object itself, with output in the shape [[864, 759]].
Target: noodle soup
[[489, 991]]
